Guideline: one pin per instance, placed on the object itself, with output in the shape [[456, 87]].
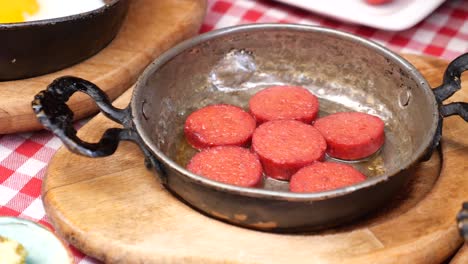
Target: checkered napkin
[[24, 157]]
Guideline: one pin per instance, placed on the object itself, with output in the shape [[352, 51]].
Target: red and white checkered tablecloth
[[24, 157]]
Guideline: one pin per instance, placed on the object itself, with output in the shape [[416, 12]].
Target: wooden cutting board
[[462, 255], [115, 210], [150, 28]]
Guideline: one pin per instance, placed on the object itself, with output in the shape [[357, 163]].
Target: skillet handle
[[53, 113], [462, 219], [452, 81], [451, 84]]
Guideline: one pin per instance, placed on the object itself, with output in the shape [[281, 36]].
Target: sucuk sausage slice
[[219, 125], [378, 2], [351, 135], [283, 103], [285, 146], [324, 176], [228, 164]]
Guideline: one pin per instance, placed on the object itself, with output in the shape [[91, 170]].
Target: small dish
[[29, 49], [396, 15], [40, 243]]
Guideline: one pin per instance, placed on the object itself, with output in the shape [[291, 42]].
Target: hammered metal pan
[[229, 65]]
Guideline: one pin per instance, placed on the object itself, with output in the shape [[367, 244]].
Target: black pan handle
[[450, 84], [452, 81], [462, 219], [53, 113]]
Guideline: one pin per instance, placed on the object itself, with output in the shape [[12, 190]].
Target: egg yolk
[[12, 11]]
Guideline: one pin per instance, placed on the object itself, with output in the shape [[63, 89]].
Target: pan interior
[[345, 74]]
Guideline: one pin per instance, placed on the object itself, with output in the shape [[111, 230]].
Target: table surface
[[24, 157]]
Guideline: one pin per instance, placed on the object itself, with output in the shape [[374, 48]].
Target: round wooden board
[[117, 211], [462, 255], [150, 28]]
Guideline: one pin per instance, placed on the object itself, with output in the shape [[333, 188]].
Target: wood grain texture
[[116, 210], [151, 27]]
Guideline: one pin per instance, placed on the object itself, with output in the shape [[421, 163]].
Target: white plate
[[396, 15], [40, 243]]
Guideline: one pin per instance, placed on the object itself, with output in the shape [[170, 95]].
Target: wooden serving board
[[151, 27], [116, 210], [462, 255]]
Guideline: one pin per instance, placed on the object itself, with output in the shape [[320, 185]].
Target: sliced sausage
[[283, 103], [378, 2], [351, 135], [219, 125], [324, 176], [228, 164], [285, 146]]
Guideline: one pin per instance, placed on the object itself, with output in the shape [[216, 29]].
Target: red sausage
[[378, 2], [219, 125], [351, 135], [285, 146], [324, 176], [228, 164], [284, 102]]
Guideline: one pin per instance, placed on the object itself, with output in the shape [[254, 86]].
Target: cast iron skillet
[[231, 64], [34, 48]]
